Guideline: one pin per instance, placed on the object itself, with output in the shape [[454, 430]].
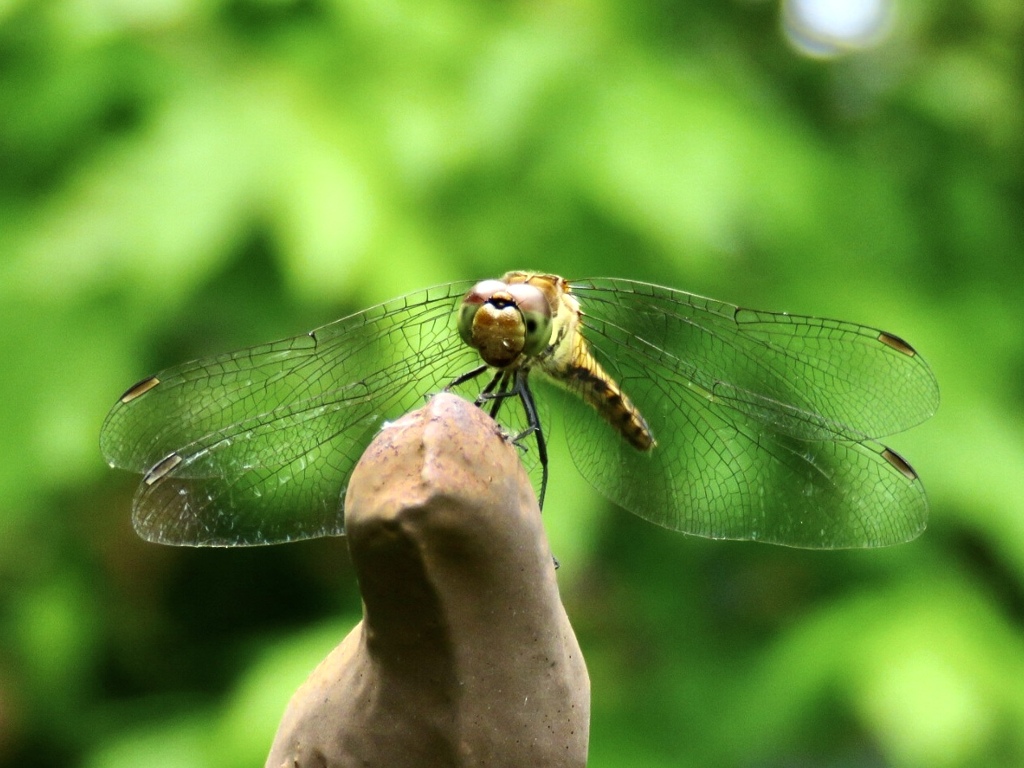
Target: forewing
[[256, 446], [764, 422]]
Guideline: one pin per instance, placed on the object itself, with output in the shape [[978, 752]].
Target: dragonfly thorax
[[505, 322]]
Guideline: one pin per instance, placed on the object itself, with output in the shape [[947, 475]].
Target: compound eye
[[479, 295], [536, 314]]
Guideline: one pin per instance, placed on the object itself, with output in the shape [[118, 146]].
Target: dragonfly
[[697, 415]]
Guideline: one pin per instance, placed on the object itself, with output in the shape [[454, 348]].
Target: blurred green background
[[180, 178]]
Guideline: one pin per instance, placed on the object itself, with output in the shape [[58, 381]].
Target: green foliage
[[181, 178]]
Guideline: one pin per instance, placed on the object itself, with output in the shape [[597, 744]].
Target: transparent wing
[[256, 446], [765, 423]]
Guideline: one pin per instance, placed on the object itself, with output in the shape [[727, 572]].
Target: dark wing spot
[[897, 343], [139, 389], [162, 468], [899, 463]]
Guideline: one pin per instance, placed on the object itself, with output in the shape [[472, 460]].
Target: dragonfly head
[[504, 321]]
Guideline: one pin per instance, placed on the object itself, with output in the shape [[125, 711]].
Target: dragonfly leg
[[522, 389], [533, 427], [487, 393], [497, 398], [504, 385], [467, 376]]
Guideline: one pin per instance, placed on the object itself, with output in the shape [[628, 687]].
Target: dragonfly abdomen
[[590, 381]]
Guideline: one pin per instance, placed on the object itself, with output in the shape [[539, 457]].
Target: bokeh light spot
[[830, 28]]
